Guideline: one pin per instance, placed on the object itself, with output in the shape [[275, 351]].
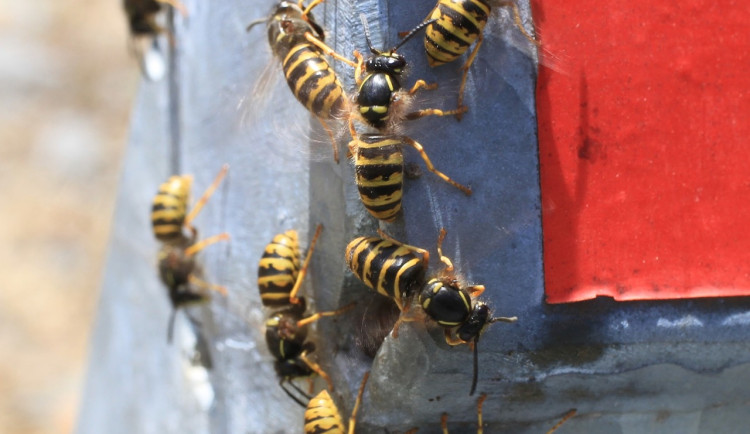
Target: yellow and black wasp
[[397, 270], [297, 40], [382, 104], [456, 24], [323, 417], [170, 219], [279, 279], [144, 28]]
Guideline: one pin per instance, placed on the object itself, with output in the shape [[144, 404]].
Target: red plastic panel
[[643, 142]]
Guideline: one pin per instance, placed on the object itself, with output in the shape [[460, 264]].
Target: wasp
[[383, 104], [170, 221], [298, 41], [454, 25], [398, 270], [279, 278], [141, 15], [322, 415], [381, 101]]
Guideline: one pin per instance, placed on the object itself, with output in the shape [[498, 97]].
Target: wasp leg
[[177, 4], [352, 149], [206, 195], [414, 144], [444, 259], [335, 145], [200, 245], [358, 70], [312, 318], [475, 290], [206, 285], [311, 6], [353, 417], [452, 340], [436, 112], [465, 74], [408, 315], [480, 401], [328, 50], [303, 271], [509, 319], [421, 84], [518, 22], [317, 369], [565, 418], [444, 422]]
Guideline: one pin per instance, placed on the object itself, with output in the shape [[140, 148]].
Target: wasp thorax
[[445, 302], [285, 340], [175, 267]]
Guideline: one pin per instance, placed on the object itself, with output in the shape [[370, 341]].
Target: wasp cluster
[[372, 114]]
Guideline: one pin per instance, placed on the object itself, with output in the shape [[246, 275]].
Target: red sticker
[[644, 131]]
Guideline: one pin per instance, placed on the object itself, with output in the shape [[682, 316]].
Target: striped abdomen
[[391, 269], [459, 23], [379, 168], [278, 269], [313, 81], [169, 208], [322, 416]]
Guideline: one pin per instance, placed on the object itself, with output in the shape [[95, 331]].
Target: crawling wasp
[[279, 280], [298, 41], [177, 267], [144, 29], [456, 24], [382, 104], [397, 270], [322, 415]]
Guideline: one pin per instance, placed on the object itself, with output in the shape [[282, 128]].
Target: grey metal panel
[[627, 367]]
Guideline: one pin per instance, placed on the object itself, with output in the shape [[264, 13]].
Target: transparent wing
[[252, 105], [502, 24]]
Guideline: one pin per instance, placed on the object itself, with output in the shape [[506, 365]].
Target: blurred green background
[[67, 83]]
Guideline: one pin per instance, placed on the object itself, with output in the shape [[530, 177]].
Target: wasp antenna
[[363, 18], [291, 395], [255, 23], [413, 32], [476, 368]]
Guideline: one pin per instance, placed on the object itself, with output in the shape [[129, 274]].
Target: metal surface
[[635, 367]]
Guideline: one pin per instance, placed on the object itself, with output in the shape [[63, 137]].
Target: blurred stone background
[[67, 83]]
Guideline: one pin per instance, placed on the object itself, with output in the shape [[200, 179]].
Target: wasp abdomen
[[458, 25], [322, 416], [169, 208], [278, 269], [392, 270], [379, 168], [313, 81]]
